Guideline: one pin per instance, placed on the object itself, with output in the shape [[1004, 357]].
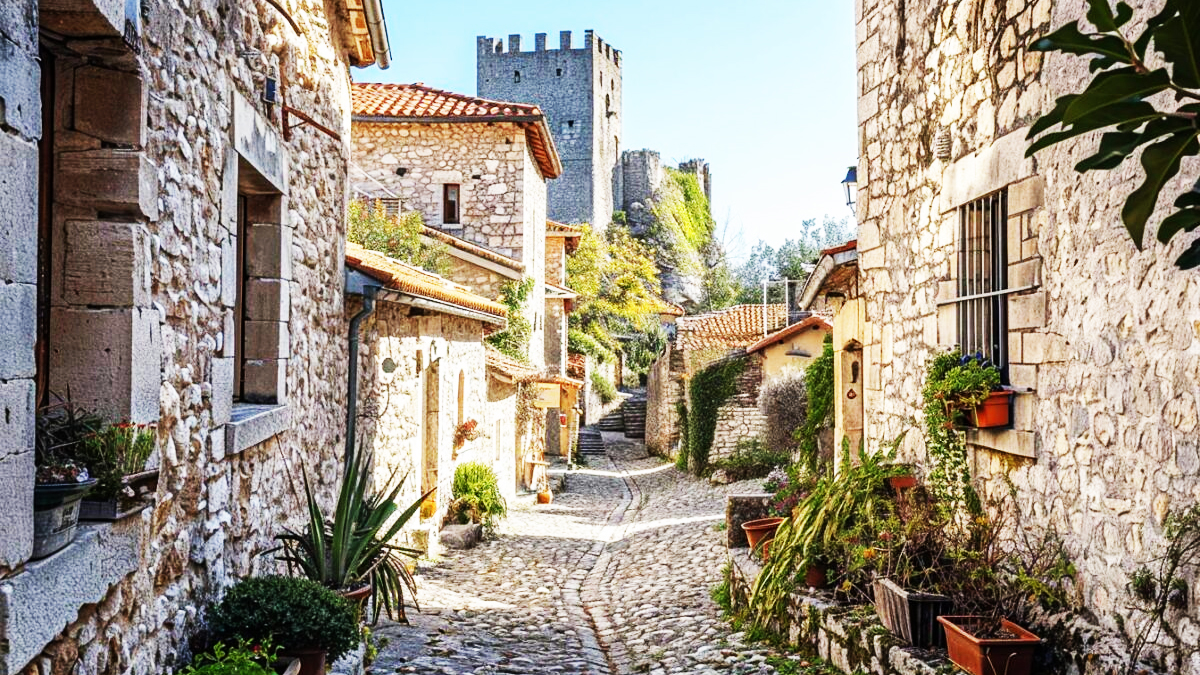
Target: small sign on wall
[[549, 395]]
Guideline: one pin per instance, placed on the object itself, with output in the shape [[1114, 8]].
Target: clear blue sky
[[762, 89]]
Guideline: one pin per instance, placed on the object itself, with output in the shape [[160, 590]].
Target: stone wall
[[408, 416], [503, 194], [579, 90], [739, 419], [1103, 335], [664, 389], [593, 407], [145, 198]]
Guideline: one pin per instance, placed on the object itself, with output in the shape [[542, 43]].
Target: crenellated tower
[[579, 90]]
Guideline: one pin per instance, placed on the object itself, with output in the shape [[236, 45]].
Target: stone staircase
[[613, 421], [590, 442], [633, 413]]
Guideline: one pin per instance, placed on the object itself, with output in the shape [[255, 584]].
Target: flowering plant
[[790, 486], [467, 431]]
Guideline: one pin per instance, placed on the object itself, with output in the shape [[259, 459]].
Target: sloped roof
[[556, 229], [738, 326], [474, 249], [405, 278], [419, 104], [789, 332], [836, 270], [848, 246], [507, 365]]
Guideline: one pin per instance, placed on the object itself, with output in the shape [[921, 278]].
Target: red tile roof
[[402, 277], [848, 246], [738, 326], [416, 103], [787, 333], [474, 249], [507, 365], [556, 229]]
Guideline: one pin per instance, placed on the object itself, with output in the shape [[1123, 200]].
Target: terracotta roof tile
[[556, 229], [787, 333], [509, 366], [738, 326], [848, 246], [417, 103], [408, 279], [474, 249]]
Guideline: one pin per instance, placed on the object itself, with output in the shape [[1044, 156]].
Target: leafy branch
[[1116, 101]]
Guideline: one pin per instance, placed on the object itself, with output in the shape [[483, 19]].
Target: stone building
[[172, 255], [1100, 340], [473, 168], [700, 341], [423, 375], [580, 92]]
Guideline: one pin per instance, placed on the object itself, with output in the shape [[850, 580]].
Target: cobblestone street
[[613, 577]]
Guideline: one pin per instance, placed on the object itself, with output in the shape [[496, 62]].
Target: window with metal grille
[[983, 279], [450, 204]]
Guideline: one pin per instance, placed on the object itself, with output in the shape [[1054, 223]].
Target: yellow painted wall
[[849, 338], [777, 361]]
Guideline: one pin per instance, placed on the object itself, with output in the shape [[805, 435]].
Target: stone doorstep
[[876, 653]]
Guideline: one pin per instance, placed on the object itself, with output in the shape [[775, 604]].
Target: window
[[983, 279], [450, 201], [516, 76], [558, 72], [239, 303]]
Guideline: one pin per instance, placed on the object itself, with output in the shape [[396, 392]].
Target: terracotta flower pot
[[358, 596], [312, 661], [989, 656], [995, 411], [899, 483], [757, 530], [816, 577], [545, 496]]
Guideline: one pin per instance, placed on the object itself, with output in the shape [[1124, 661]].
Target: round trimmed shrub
[[293, 613]]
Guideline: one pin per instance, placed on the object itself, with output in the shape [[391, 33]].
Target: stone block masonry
[[1101, 338], [579, 90]]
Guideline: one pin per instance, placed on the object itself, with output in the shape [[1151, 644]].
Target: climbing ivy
[[707, 392], [952, 385], [681, 458], [818, 381], [513, 341]]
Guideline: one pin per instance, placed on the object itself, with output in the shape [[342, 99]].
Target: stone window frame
[[982, 261], [1001, 166], [249, 369]]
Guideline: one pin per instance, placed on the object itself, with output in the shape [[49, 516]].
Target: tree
[[1116, 101], [792, 260]]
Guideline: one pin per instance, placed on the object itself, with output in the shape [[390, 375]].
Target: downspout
[[368, 308], [377, 30]]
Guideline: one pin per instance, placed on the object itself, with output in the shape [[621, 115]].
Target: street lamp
[[850, 184]]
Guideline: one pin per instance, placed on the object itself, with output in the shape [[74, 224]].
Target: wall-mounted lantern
[[850, 183]]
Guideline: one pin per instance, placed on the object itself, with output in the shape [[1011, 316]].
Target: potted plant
[[305, 619], [544, 494], [467, 431], [762, 529], [985, 646], [61, 479], [968, 386], [244, 658], [352, 551], [476, 496], [116, 457]]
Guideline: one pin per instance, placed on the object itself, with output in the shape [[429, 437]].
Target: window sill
[[250, 424], [46, 595], [1009, 441]]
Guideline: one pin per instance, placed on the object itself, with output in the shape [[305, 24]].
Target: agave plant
[[354, 546]]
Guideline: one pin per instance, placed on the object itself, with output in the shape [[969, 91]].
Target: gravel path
[[612, 578]]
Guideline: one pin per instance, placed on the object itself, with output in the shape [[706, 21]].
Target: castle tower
[[579, 90]]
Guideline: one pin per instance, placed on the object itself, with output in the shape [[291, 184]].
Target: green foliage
[[513, 341], [603, 387], [580, 342], [818, 383], [116, 451], [1160, 588], [722, 592], [476, 495], [751, 460], [720, 286], [245, 659], [645, 345], [61, 430], [1122, 99], [789, 261], [291, 612], [398, 237], [354, 547], [953, 385], [683, 210], [838, 512], [681, 413], [708, 390]]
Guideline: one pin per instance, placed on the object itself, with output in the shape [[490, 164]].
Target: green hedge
[[707, 392]]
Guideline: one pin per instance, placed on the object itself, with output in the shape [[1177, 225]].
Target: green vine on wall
[[707, 392], [681, 458], [953, 384], [818, 380], [513, 341]]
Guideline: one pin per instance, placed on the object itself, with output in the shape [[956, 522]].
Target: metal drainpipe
[[377, 29], [352, 377]]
